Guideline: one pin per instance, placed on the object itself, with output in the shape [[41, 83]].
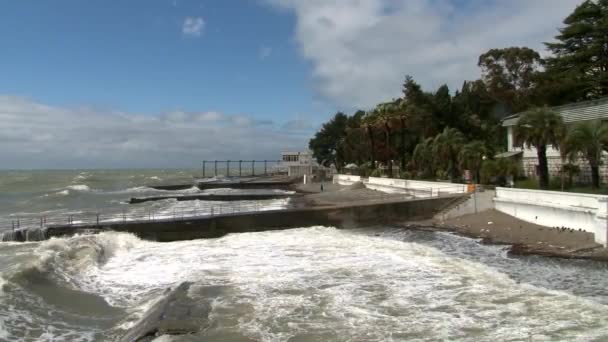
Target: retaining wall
[[346, 179], [416, 188], [556, 209]]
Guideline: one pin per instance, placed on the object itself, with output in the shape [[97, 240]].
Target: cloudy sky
[[169, 83]]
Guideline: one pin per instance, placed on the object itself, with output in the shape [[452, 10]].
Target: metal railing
[[113, 216]]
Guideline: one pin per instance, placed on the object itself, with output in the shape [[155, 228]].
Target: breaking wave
[[79, 187]]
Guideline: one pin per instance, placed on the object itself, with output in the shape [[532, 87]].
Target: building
[[572, 114], [298, 163]]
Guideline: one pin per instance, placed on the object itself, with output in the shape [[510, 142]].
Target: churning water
[[307, 284], [27, 197]]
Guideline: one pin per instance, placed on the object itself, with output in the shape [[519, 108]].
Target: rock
[[518, 249], [175, 314]]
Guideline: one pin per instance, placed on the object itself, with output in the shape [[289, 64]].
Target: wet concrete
[[341, 216]]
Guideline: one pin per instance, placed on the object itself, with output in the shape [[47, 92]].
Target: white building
[[572, 114], [298, 163]]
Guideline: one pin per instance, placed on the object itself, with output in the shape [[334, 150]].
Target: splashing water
[[308, 284]]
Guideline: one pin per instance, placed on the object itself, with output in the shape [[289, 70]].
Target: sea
[[306, 284]]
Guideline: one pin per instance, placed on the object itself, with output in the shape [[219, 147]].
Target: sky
[[168, 83]]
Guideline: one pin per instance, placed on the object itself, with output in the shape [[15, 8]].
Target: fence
[[98, 218], [242, 167]]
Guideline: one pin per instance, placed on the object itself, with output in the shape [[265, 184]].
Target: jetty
[[213, 197], [330, 204], [282, 183]]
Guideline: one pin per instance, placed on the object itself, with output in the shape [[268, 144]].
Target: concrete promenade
[[357, 214]]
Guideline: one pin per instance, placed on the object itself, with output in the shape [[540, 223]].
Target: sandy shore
[[525, 238], [490, 226]]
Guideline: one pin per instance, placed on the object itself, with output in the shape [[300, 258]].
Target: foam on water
[[328, 283], [323, 284], [79, 187]]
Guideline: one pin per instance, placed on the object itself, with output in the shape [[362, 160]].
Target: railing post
[[13, 224], [240, 168], [97, 216], [265, 167], [40, 222], [18, 224], [204, 162], [253, 168], [215, 168], [227, 168], [124, 216]]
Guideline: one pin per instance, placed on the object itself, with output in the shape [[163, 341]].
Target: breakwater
[[341, 216], [212, 197]]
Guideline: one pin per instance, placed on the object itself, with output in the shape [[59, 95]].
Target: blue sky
[[133, 56], [170, 82]]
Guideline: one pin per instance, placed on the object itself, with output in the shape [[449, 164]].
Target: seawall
[[343, 216]]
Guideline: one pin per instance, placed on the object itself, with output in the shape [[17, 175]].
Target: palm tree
[[471, 157], [368, 123], [590, 139], [446, 147], [423, 157], [539, 128], [384, 114]]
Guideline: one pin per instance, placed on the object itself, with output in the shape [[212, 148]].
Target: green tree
[[446, 147], [324, 145], [590, 139], [471, 157], [509, 75], [539, 128], [580, 54], [423, 158], [385, 114], [368, 122]]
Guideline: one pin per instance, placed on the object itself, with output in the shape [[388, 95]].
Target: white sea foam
[[326, 281], [79, 187], [2, 283], [63, 192]]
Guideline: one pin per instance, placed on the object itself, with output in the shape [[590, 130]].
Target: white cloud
[[34, 135], [264, 52], [193, 26], [362, 49]]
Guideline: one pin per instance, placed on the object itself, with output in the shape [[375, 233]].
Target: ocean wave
[[62, 193], [2, 283], [79, 187], [63, 260]]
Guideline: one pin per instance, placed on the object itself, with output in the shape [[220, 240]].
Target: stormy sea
[[304, 284]]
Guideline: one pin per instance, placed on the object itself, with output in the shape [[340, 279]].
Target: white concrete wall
[[346, 179], [415, 188], [556, 209]]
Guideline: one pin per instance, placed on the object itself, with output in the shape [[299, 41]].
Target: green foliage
[[538, 128], [471, 157], [406, 175], [326, 141], [570, 171], [497, 171], [510, 75], [423, 158], [589, 139], [446, 147], [427, 131], [580, 60], [376, 173]]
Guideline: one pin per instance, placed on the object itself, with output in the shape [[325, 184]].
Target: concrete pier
[[213, 197], [341, 216]]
